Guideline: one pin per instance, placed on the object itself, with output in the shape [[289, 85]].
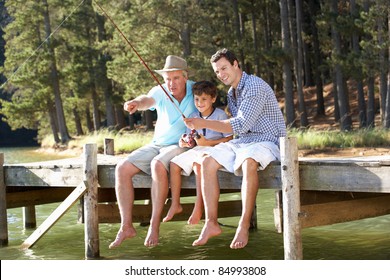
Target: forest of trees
[[67, 71]]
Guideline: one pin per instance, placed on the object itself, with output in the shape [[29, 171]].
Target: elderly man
[[257, 123], [155, 157]]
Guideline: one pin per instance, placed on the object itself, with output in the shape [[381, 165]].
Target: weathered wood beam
[[320, 208], [3, 206], [344, 211], [91, 215], [344, 176], [291, 200], [37, 197]]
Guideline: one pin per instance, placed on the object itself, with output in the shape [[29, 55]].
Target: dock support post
[[291, 199], [29, 217], [109, 146], [3, 206], [91, 216]]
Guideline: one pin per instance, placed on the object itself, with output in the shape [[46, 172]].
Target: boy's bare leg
[[210, 191], [175, 181], [197, 212], [124, 173], [159, 195], [250, 185]]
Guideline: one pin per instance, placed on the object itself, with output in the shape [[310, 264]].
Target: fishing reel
[[190, 138]]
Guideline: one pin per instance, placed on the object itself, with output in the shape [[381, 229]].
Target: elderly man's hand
[[131, 106]]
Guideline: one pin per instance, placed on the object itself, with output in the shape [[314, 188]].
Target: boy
[[205, 94]]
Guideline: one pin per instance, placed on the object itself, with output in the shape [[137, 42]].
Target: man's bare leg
[[175, 181], [210, 191], [124, 190], [197, 212], [159, 195], [250, 185]]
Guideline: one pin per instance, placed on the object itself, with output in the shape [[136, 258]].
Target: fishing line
[[140, 58], [40, 46]]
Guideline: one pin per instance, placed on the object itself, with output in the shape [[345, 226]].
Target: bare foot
[[195, 217], [151, 239], [173, 210], [241, 238], [121, 236], [209, 230]]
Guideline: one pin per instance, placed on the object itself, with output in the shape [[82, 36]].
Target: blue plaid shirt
[[256, 116]]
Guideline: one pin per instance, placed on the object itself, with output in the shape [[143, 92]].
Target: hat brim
[[169, 70]]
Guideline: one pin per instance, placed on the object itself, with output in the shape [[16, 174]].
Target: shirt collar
[[240, 85]]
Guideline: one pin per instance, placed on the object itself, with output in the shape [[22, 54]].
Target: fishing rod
[[140, 58]]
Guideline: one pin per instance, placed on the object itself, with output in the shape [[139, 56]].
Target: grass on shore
[[312, 139], [124, 142], [127, 141]]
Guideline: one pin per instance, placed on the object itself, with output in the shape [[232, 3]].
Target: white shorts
[[187, 159], [231, 155]]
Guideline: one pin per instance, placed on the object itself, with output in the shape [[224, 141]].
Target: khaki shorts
[[143, 156]]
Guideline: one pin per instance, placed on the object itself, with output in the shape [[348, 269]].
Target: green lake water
[[367, 239]]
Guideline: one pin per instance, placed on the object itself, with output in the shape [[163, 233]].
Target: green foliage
[[157, 28]]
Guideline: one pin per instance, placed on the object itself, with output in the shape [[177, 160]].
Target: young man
[[257, 123], [154, 158]]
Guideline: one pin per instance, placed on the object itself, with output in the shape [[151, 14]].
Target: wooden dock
[[309, 192]]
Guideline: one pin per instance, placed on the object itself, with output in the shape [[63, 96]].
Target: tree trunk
[[299, 65], [54, 78], [53, 122], [356, 49], [120, 117], [270, 78], [238, 30], [317, 61], [148, 120], [287, 74], [92, 84], [77, 119], [371, 102], [88, 119], [255, 43], [345, 118], [387, 113], [382, 67], [105, 82]]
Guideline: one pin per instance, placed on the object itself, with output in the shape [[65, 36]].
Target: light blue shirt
[[170, 125]]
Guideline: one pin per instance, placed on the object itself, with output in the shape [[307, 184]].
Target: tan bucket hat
[[173, 63]]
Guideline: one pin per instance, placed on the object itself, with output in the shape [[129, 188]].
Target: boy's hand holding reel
[[189, 139]]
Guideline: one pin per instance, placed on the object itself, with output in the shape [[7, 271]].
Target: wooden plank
[[109, 212], [43, 176], [291, 199], [354, 177], [371, 175], [344, 211], [55, 216], [37, 197], [3, 206]]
